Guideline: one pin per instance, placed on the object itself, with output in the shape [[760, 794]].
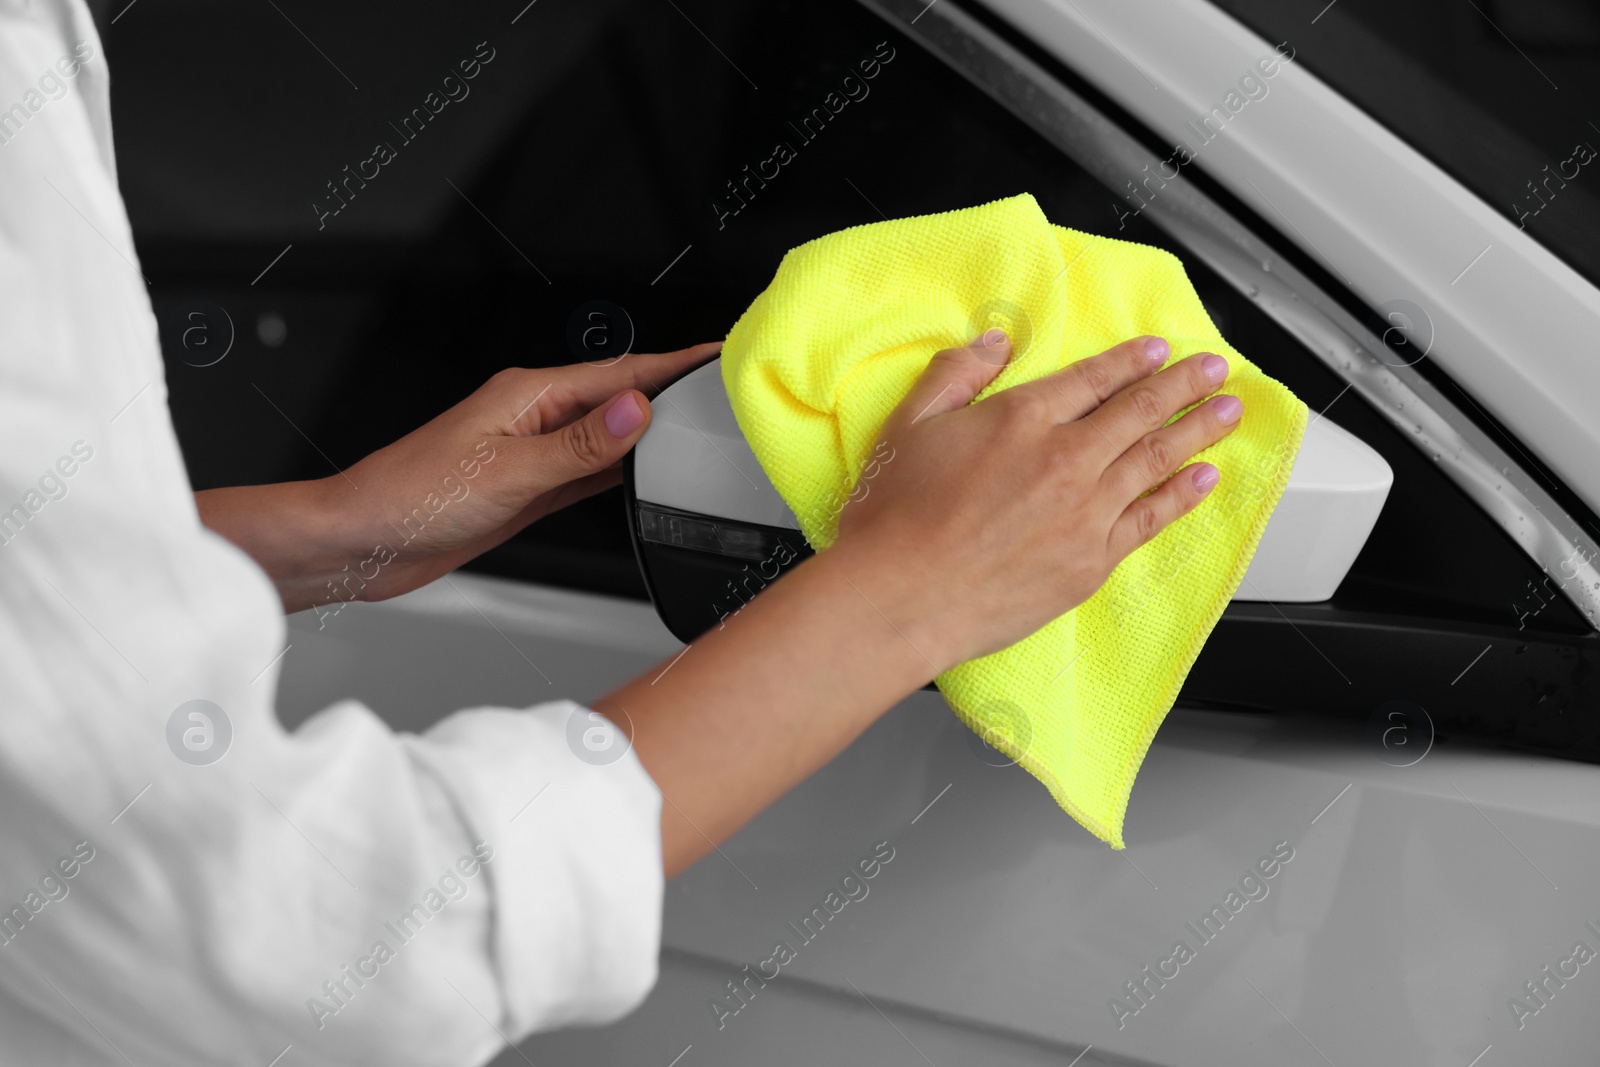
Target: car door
[[1362, 811]]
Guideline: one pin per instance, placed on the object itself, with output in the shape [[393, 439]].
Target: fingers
[[1148, 516], [1154, 457], [536, 400], [1080, 388], [651, 373], [950, 381], [587, 445], [1145, 406]]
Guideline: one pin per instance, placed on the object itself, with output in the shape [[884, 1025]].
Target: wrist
[[298, 532], [901, 599], [330, 541]]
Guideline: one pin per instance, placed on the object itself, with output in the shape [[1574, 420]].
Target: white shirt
[[162, 912]]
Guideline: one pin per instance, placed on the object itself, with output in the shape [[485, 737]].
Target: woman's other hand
[[526, 443]]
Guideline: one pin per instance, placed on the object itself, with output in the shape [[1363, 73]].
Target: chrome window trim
[[1499, 484]]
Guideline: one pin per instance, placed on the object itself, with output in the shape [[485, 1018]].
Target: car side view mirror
[[710, 531]]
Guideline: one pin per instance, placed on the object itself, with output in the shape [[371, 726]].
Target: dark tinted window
[[1500, 93]]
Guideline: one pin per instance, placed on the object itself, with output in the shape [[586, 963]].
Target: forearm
[[290, 529], [758, 704]]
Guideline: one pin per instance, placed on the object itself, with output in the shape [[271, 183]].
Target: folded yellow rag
[[818, 361]]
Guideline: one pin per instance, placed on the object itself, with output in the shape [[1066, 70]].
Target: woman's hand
[[528, 442], [994, 518], [987, 521]]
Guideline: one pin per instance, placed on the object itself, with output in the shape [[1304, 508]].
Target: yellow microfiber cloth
[[851, 319]]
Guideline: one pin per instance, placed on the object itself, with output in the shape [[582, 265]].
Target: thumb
[[594, 442], [950, 381]]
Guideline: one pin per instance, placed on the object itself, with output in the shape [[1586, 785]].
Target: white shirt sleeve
[[357, 895]]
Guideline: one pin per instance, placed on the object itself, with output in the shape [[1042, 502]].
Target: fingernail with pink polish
[[1157, 350], [1227, 408], [1205, 476], [1215, 368], [624, 416]]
